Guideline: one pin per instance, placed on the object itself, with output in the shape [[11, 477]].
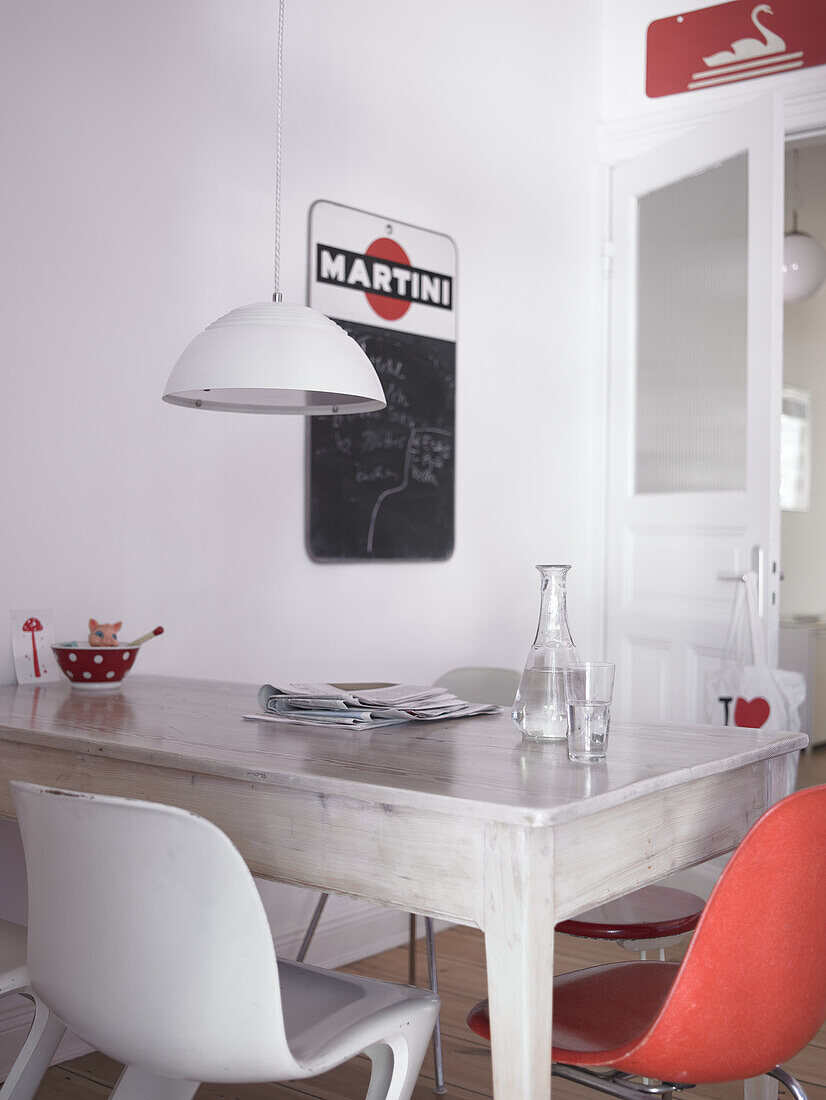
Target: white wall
[[137, 206], [803, 591]]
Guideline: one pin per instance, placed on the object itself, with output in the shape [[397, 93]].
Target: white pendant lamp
[[804, 257], [804, 266], [271, 357]]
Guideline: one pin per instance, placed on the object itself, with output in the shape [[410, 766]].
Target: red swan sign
[[731, 42]]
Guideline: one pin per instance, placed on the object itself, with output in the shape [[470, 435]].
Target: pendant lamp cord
[[279, 69], [795, 191]]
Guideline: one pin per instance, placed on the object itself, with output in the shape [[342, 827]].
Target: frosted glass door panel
[[691, 333]]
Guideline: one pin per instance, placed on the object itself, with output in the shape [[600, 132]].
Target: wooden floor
[[467, 1059]]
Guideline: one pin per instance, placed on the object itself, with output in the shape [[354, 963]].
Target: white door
[[695, 381]]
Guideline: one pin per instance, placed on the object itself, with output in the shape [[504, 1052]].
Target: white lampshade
[[275, 358], [804, 266]]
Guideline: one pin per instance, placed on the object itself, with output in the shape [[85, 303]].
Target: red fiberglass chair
[[749, 994]]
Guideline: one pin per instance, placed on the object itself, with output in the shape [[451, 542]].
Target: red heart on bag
[[751, 713]]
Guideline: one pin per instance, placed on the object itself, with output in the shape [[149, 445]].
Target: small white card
[[32, 635]]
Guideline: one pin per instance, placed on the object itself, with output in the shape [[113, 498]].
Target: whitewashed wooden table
[[460, 820]]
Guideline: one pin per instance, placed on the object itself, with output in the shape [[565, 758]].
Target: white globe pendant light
[[271, 357], [804, 257], [804, 266]]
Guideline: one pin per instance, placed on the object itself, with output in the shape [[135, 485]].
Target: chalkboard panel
[[381, 484]]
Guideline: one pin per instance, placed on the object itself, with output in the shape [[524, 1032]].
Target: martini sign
[[386, 276], [381, 484]]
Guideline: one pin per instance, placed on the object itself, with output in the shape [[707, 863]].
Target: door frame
[[803, 113]]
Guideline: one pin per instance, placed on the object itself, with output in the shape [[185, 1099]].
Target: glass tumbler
[[588, 691]]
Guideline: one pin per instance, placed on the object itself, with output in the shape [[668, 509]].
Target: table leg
[[760, 1088], [519, 934], [782, 776]]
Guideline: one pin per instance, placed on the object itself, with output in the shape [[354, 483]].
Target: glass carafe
[[539, 707]]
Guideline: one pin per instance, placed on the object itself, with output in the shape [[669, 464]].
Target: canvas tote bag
[[745, 690]]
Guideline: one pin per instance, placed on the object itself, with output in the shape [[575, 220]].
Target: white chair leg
[[139, 1084], [396, 1065], [35, 1055]]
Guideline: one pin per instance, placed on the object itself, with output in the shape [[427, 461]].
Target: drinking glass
[[588, 690]]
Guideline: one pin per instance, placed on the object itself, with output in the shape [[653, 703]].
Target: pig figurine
[[103, 633]]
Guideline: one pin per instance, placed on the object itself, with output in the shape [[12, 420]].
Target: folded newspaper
[[361, 709]]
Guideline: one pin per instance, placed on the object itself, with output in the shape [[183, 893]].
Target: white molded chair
[[46, 1030], [148, 937]]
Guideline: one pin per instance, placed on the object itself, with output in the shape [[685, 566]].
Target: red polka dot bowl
[[95, 668]]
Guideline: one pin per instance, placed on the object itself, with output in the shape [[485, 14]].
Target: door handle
[[758, 566]]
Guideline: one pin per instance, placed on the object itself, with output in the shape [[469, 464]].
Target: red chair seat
[[599, 1009], [651, 913]]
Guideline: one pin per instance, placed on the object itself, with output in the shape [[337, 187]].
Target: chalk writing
[[419, 465], [381, 484]]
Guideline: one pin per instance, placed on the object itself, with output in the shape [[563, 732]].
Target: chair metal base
[[438, 1066], [788, 1082], [311, 927], [626, 1087], [615, 1083]]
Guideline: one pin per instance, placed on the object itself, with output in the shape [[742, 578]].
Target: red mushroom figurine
[[30, 626]]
